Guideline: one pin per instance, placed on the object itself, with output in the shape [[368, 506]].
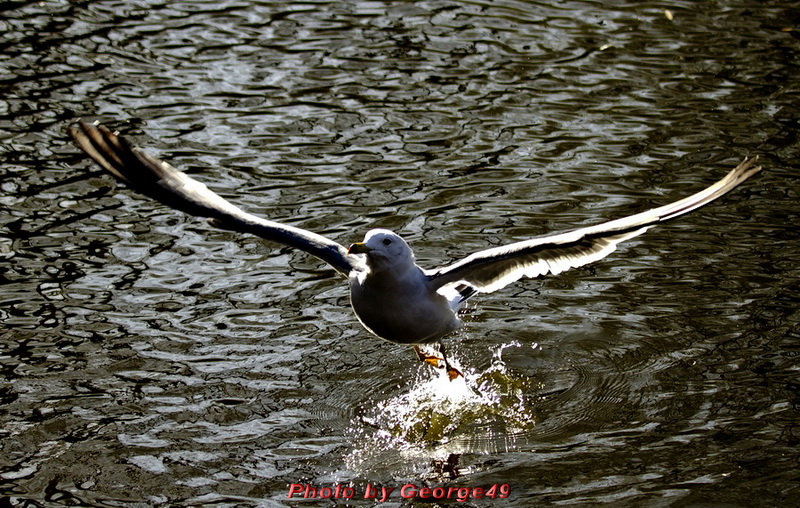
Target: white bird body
[[393, 297]]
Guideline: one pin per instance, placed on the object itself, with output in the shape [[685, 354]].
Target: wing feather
[[159, 180], [495, 268]]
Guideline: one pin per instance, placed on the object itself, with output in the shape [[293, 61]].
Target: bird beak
[[358, 248]]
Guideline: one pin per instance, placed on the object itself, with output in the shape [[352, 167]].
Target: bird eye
[[386, 241]]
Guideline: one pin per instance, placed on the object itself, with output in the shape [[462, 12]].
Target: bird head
[[385, 250]]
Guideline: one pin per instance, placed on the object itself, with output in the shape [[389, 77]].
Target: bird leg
[[438, 359], [427, 357]]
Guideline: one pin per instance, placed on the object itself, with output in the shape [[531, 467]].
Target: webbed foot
[[439, 360]]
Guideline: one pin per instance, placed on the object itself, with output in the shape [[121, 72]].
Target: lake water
[[148, 359]]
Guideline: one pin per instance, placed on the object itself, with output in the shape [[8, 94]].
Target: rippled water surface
[[150, 359]]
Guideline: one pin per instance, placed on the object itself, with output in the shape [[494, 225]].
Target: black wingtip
[[105, 147]]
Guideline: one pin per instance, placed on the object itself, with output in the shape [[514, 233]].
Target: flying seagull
[[393, 297]]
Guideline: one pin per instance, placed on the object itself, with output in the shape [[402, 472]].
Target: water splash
[[438, 417]]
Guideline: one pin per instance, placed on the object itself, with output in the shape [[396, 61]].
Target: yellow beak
[[358, 248]]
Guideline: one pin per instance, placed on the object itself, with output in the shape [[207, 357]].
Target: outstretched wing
[[492, 269], [159, 180]]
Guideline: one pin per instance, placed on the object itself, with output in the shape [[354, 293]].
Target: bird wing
[[492, 269], [162, 182]]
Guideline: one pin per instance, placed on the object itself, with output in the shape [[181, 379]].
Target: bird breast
[[401, 309]]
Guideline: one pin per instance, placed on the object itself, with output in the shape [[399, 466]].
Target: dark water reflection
[[149, 359]]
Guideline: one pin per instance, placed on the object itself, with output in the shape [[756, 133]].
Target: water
[[150, 360]]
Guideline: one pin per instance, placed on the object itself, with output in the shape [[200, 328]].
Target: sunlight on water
[[435, 412]]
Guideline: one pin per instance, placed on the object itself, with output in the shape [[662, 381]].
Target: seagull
[[391, 295]]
